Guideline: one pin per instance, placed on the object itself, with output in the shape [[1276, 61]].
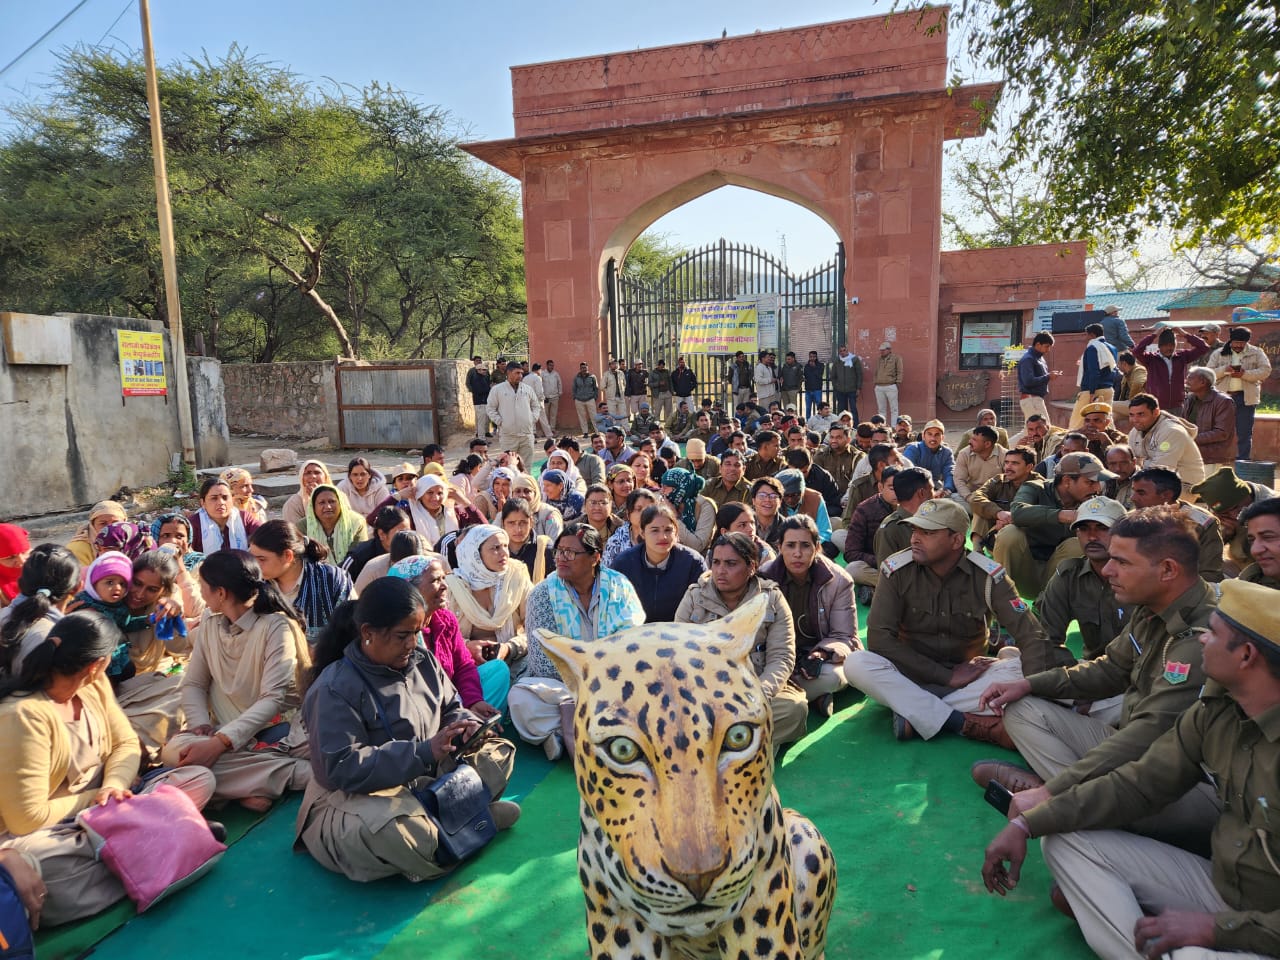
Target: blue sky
[[456, 55]]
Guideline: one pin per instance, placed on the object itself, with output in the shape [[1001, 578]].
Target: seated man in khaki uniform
[[1155, 486], [927, 632], [1226, 496], [1262, 521], [1136, 897], [1039, 536], [1147, 676]]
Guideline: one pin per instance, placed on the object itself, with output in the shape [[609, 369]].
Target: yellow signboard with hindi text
[[142, 372], [718, 326]]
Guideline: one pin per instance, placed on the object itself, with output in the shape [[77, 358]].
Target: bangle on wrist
[[1021, 823], [223, 739]]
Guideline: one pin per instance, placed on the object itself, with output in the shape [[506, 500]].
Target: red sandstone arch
[[847, 119]]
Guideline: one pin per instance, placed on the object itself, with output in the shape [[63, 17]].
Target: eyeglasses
[[762, 495], [564, 554]]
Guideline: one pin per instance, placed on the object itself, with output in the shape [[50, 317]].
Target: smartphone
[[999, 796], [461, 745], [811, 667], [490, 651]]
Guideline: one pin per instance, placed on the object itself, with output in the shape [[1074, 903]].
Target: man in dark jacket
[[1034, 376], [813, 373], [846, 381], [478, 386], [791, 377], [683, 382]]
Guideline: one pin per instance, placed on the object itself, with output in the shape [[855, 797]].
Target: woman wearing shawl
[[15, 547], [582, 600], [487, 593], [683, 490], [489, 502], [311, 474], [531, 549], [363, 486], [431, 514], [560, 460], [558, 493], [331, 521], [81, 545], [547, 521], [242, 496], [218, 525], [482, 686]]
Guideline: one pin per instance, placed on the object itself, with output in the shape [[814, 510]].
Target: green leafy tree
[[1164, 112]]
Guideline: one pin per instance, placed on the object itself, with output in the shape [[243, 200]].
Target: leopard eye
[[623, 750], [739, 737]]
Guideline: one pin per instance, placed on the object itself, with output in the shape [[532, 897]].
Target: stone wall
[[282, 399], [70, 437]]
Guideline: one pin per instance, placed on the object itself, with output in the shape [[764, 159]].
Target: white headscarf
[[471, 566], [570, 470], [423, 522]]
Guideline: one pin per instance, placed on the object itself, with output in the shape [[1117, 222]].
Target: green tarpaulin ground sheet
[[906, 822]]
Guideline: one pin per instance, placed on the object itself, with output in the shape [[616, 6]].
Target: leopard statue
[[685, 849]]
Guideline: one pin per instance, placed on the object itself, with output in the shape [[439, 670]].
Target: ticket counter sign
[[142, 372]]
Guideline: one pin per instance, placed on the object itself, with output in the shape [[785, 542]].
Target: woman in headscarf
[[15, 547], [218, 525], [531, 549], [311, 474], [547, 521], [81, 545], [363, 486], [557, 493], [560, 460], [429, 510], [487, 593], [683, 490], [331, 521], [621, 481], [489, 502], [583, 600], [242, 496], [127, 537], [482, 686]]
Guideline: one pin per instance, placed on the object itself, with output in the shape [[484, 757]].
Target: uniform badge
[[1164, 446], [1020, 606], [1176, 672]]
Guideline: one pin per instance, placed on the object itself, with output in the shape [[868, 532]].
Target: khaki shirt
[[1253, 574], [859, 490], [839, 465], [893, 536], [972, 471], [1209, 533], [888, 370], [995, 495], [709, 470], [716, 492], [1242, 757], [926, 625], [1076, 592], [1155, 662], [757, 467]]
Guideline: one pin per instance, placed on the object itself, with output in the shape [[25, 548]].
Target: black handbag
[[457, 802]]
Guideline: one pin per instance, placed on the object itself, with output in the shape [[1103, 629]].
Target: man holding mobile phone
[[1240, 368]]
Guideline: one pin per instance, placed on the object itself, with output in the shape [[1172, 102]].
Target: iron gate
[[386, 405], [645, 318]]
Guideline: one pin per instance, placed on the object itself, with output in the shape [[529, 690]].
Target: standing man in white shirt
[[514, 409], [766, 378], [533, 380], [551, 389]]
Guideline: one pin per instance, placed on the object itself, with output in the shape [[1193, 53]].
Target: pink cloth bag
[[155, 842]]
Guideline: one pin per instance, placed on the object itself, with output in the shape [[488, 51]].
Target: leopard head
[[673, 759]]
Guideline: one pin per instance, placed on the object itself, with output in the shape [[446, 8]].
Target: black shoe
[[864, 594], [902, 729], [218, 830], [824, 706]]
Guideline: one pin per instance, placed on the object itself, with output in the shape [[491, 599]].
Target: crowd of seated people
[[345, 648]]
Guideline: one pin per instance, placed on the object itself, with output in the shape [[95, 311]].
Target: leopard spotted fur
[[684, 849]]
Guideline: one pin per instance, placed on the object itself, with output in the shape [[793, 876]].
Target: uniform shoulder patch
[[1199, 516], [986, 564], [895, 561]]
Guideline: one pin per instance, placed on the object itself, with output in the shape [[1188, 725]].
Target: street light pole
[[164, 213]]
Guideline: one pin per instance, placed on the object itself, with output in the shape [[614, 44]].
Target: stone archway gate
[[847, 119]]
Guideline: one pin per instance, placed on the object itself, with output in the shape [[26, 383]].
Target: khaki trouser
[[791, 398], [662, 406], [1083, 399], [1052, 737], [864, 574], [926, 708], [1113, 879], [154, 707], [250, 773], [790, 709], [78, 884], [1029, 575], [586, 415], [521, 443], [370, 836], [1032, 404], [551, 406]]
